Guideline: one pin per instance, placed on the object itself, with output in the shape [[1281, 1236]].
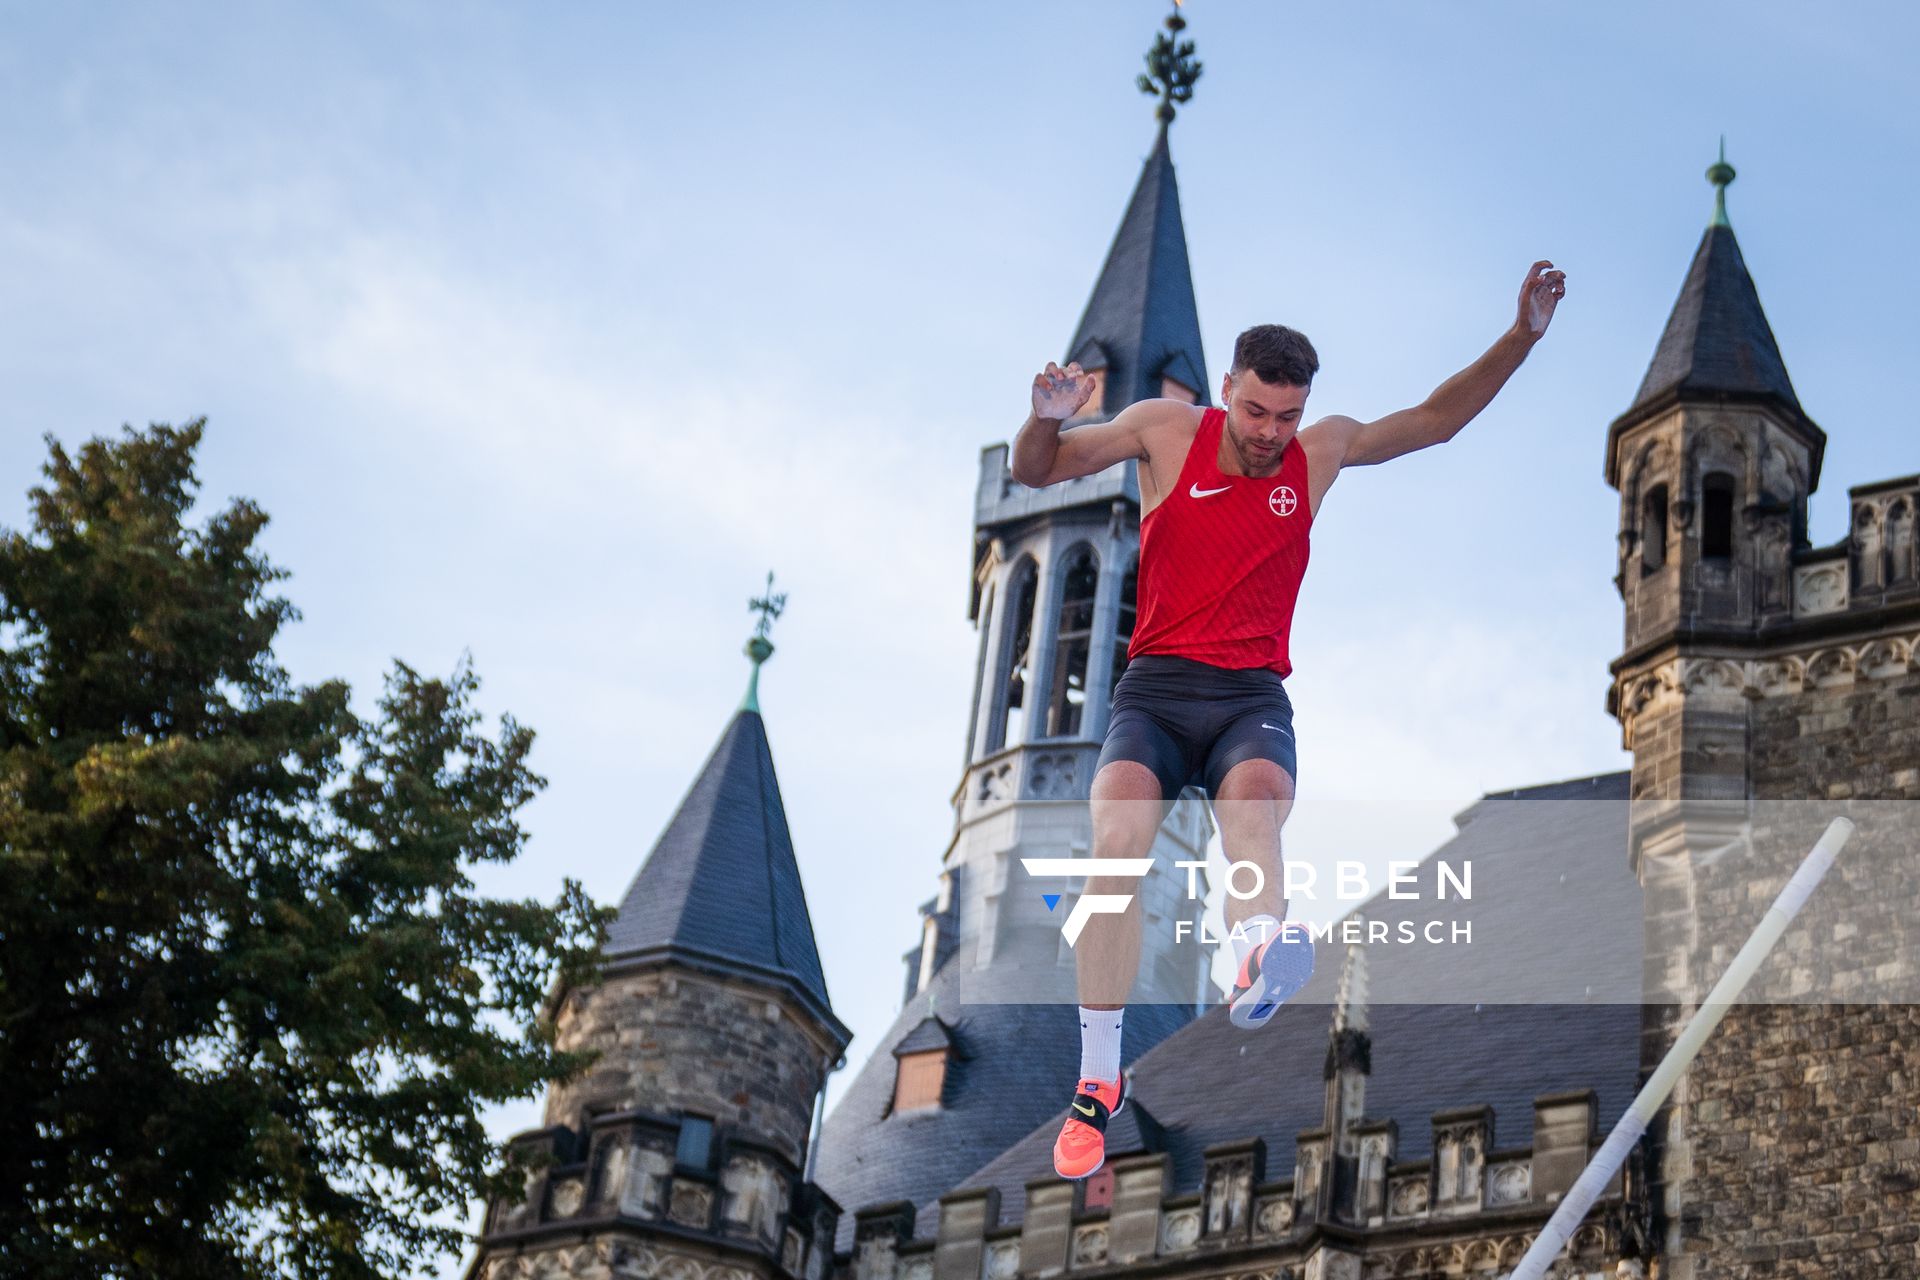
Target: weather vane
[[1171, 68], [759, 648], [768, 607]]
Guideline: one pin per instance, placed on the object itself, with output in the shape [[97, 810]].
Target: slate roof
[[1010, 1066], [1141, 322], [721, 889], [1717, 346], [1551, 882]]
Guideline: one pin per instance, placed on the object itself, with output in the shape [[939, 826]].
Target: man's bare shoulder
[[1332, 427], [1167, 423], [1328, 438], [1166, 433]]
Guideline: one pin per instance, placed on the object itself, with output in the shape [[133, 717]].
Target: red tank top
[[1221, 560]]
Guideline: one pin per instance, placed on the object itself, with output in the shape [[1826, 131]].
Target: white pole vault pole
[[1613, 1152]]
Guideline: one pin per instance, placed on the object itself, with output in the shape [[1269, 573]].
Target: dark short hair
[[1276, 354]]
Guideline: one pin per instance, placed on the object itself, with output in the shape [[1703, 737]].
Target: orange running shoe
[[1081, 1148]]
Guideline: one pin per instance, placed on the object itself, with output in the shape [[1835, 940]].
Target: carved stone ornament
[[1275, 1218], [568, 1195], [1829, 666], [1409, 1198], [1511, 1184], [1180, 1230], [874, 1258], [691, 1204], [1055, 777], [1090, 1245]]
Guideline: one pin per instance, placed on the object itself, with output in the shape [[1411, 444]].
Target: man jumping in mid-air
[[1227, 497]]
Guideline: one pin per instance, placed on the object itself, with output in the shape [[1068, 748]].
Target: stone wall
[[674, 1040], [1793, 1147]]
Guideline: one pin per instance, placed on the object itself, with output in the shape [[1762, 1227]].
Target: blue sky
[[544, 332]]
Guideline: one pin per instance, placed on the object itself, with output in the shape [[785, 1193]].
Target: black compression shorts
[[1190, 722]]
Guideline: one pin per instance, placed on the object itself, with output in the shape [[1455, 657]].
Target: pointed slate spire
[[721, 889], [1717, 345], [1141, 323]]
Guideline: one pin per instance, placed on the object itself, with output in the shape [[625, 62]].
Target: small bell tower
[[1714, 460], [685, 1148]]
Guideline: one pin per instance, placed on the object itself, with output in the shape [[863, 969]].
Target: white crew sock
[[1249, 934], [1100, 1043]]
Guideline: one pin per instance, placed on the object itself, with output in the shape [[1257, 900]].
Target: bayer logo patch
[[1283, 500]]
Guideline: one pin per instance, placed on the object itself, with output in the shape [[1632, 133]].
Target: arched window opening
[[1900, 543], [1019, 668], [1073, 644], [1123, 633], [1653, 529], [1716, 516]]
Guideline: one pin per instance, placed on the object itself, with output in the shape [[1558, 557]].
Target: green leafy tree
[[251, 1004]]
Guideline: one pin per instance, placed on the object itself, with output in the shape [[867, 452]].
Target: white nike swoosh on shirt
[[1197, 492], [1276, 728]]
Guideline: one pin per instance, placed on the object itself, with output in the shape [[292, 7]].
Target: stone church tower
[[683, 1152], [987, 1045], [1053, 601], [1763, 682]]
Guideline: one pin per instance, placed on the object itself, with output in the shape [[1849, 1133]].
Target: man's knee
[[1257, 780], [1127, 810], [1124, 780]]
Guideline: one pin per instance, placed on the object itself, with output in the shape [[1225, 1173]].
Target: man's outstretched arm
[[1043, 454], [1458, 400]]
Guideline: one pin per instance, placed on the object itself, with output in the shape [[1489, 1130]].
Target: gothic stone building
[[1390, 1122]]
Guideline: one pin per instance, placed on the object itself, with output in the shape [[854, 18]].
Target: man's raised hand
[[1541, 293], [1061, 393]]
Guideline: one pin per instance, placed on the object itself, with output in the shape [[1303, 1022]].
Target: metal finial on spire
[[1720, 173], [759, 648], [1171, 69]]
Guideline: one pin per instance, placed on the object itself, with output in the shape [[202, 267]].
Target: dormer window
[[918, 1079], [1716, 516], [920, 1066]]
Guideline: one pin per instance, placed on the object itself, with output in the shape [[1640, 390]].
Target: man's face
[[1261, 418]]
